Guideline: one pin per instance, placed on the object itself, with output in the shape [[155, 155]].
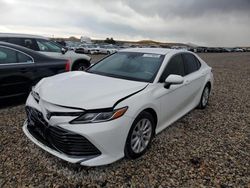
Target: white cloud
[[205, 22]]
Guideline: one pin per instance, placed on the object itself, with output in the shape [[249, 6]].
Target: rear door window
[[29, 43], [191, 63], [25, 42], [23, 58], [9, 56]]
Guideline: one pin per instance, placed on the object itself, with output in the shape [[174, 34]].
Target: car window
[[48, 46], [29, 43], [174, 66], [25, 42], [12, 56], [129, 65], [3, 55], [198, 63], [7, 56], [22, 58], [190, 63]]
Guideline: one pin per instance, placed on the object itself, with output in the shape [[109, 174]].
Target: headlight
[[35, 95], [96, 117]]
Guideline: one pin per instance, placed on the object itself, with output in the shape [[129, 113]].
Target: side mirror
[[173, 79], [64, 50]]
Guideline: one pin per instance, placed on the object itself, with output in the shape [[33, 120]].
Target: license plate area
[[37, 122]]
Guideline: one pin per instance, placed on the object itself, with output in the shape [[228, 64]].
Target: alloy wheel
[[205, 96], [141, 135]]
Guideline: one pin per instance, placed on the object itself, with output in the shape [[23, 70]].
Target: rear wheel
[[140, 135], [204, 97], [80, 66]]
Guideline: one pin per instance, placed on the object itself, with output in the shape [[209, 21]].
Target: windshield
[[48, 46], [129, 65]]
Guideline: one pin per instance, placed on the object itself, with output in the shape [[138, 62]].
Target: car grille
[[57, 138]]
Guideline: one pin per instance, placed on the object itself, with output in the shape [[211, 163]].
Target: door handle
[[186, 82]]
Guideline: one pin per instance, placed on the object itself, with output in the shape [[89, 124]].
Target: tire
[[204, 97], [133, 147], [80, 66]]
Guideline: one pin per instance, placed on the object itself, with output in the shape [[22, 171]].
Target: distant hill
[[148, 42], [152, 42], [141, 42]]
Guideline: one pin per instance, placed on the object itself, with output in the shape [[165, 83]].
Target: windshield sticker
[[152, 55]]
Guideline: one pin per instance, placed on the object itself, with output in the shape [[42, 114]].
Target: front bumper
[[108, 137]]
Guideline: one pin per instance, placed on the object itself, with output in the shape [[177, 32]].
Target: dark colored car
[[21, 68], [47, 47]]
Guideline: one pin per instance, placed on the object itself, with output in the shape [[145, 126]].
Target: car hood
[[85, 90]]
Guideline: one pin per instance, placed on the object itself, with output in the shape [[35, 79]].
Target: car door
[[16, 72], [194, 80], [171, 100]]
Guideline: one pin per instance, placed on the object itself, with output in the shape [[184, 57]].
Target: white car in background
[[48, 47], [116, 107], [107, 49], [238, 50], [72, 45], [88, 49]]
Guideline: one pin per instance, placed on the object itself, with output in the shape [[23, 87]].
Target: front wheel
[[140, 135], [204, 97]]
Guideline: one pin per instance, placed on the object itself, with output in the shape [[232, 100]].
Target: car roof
[[21, 35], [160, 51]]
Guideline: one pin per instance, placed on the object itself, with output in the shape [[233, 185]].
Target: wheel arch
[[77, 61], [208, 83], [153, 113]]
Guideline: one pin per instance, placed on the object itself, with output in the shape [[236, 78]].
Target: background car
[[238, 50], [131, 96], [87, 49], [70, 45], [45, 46], [107, 49], [21, 68]]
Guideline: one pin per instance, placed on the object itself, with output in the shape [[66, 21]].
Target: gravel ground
[[206, 148]]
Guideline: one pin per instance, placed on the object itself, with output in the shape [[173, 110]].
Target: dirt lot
[[206, 148]]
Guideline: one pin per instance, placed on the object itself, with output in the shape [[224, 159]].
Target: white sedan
[[107, 49], [116, 107]]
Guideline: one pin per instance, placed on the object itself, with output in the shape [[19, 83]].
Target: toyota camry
[[117, 106]]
